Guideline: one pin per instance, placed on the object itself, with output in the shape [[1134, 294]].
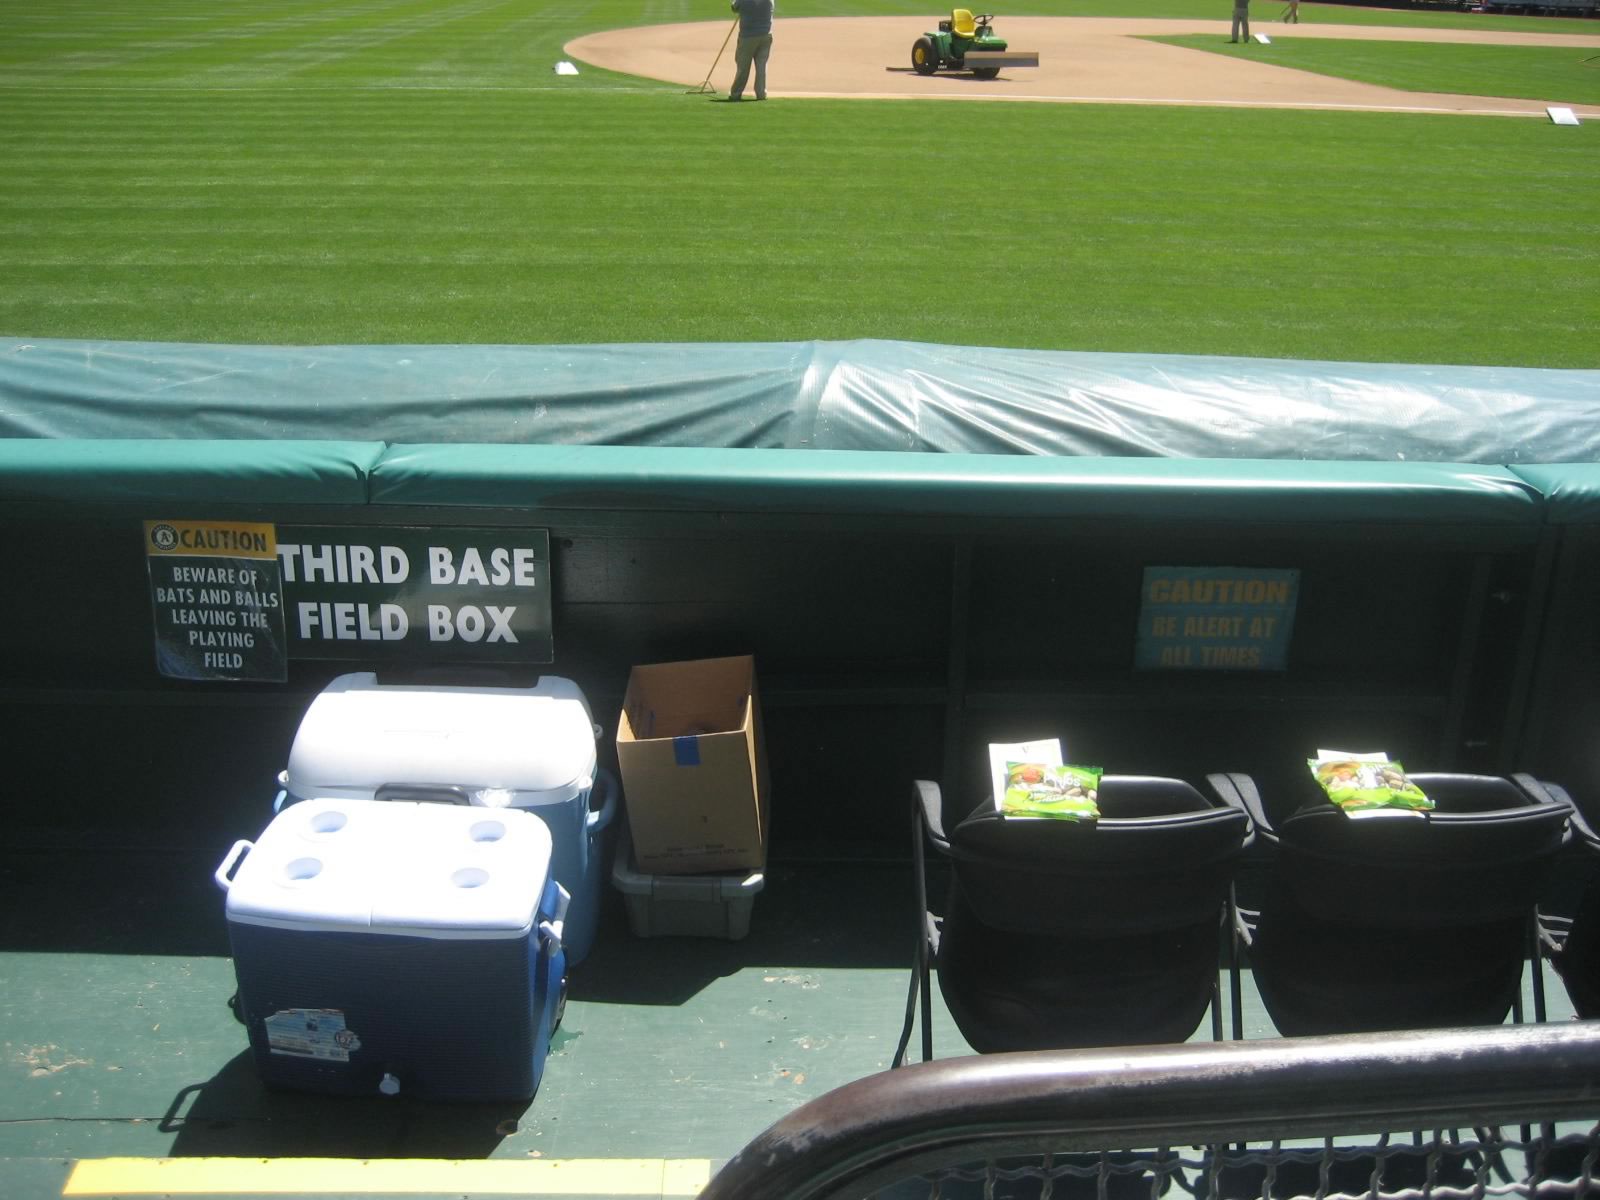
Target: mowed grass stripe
[[459, 43], [341, 202], [602, 217], [1570, 74]]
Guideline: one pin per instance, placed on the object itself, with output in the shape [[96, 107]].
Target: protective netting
[[1443, 1165], [860, 395]]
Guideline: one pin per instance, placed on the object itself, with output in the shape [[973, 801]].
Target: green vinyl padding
[[114, 471], [668, 479], [1571, 491], [876, 482]]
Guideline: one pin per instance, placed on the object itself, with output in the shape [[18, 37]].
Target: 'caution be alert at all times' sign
[[237, 600]]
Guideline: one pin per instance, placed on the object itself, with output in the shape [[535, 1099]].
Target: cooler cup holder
[[302, 870], [488, 831], [470, 877], [329, 820]]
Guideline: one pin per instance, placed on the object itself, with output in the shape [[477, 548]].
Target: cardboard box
[[694, 768]]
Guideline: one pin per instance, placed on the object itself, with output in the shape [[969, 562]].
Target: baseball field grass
[[1570, 74], [411, 171]]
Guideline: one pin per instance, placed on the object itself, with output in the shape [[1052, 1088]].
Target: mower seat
[[962, 24]]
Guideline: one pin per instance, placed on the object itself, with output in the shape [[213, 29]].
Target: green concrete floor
[[119, 1042], [118, 1039]]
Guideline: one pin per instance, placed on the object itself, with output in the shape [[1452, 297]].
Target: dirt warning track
[[1094, 60]]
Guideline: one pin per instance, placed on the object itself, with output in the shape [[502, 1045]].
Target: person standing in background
[[755, 45], [1241, 21], [1291, 15]]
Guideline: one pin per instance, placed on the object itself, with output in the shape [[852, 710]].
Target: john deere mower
[[961, 35]]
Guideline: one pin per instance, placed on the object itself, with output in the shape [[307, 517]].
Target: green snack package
[[1064, 793], [1356, 786]]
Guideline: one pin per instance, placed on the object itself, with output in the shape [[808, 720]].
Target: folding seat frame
[[1124, 913], [1451, 894]]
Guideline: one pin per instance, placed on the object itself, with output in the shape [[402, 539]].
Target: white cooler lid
[[428, 870], [515, 747]]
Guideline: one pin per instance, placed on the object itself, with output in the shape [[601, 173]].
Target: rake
[[705, 85]]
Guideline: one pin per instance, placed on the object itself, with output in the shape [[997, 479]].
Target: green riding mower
[[949, 46]]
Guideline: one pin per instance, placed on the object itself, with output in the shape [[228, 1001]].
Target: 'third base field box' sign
[[236, 601], [417, 594], [1216, 618], [216, 600]]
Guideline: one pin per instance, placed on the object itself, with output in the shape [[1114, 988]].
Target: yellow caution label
[[213, 539], [659, 1177], [664, 1178]]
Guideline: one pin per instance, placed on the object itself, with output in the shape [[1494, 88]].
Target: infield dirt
[[1081, 60]]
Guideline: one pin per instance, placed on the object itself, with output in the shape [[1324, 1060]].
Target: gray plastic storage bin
[[712, 905]]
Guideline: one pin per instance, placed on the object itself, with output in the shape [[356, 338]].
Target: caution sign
[[218, 600], [1216, 618]]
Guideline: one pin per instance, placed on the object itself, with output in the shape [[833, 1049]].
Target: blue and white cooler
[[386, 948], [488, 747]]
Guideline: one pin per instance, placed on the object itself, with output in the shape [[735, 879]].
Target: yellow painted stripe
[[660, 1177]]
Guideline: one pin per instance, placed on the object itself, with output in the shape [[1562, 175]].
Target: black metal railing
[[1078, 1122]]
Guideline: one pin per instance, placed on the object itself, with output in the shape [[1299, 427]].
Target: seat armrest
[[1544, 792], [1239, 791], [927, 800]]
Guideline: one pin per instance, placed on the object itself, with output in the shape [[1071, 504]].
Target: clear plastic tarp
[[860, 395]]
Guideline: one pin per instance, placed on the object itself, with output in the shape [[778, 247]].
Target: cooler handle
[[553, 929], [427, 793], [601, 817], [232, 860]]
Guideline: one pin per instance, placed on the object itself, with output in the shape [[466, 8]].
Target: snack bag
[[1065, 793], [1045, 751], [1357, 785]]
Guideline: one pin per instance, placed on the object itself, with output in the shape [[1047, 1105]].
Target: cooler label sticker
[[318, 1033]]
